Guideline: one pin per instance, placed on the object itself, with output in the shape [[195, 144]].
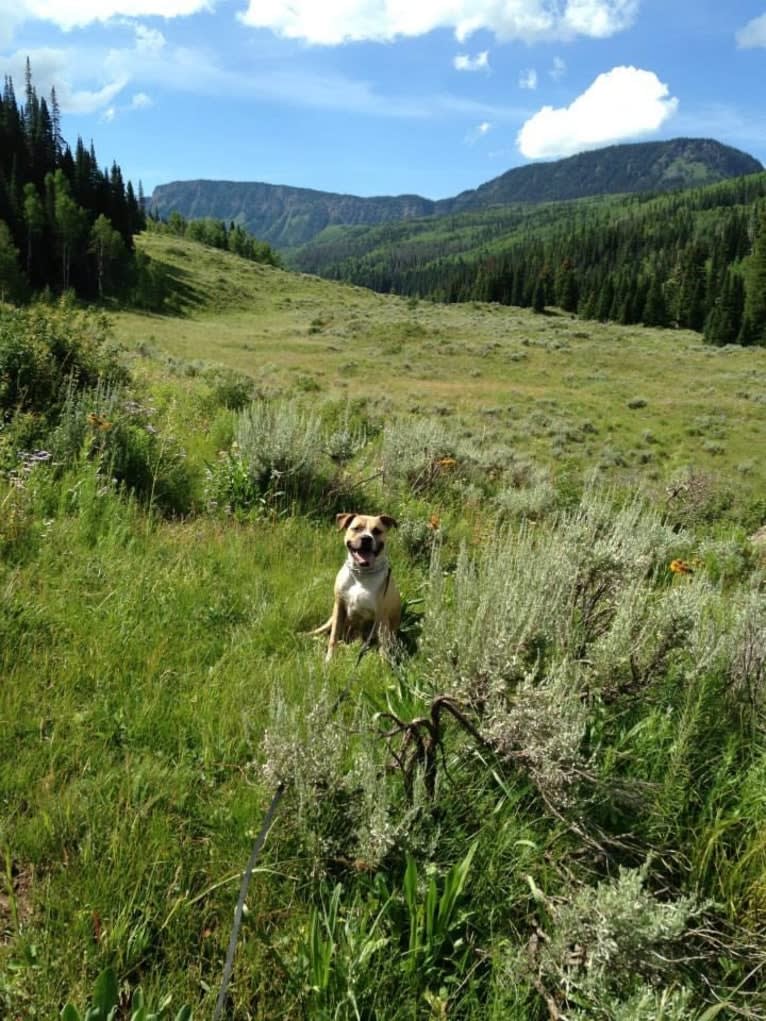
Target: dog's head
[[365, 536]]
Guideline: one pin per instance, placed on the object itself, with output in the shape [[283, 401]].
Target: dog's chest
[[360, 595]]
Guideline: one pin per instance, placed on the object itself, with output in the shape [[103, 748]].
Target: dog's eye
[[377, 531], [358, 528]]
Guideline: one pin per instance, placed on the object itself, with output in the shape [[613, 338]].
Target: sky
[[386, 97]]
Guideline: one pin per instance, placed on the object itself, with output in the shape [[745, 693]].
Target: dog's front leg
[[337, 627]]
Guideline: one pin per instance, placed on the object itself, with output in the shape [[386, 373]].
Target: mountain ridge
[[288, 216]]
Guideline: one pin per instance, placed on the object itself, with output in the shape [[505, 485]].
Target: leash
[[258, 843], [260, 839]]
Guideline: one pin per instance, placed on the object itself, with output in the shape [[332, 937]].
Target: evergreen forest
[[65, 223], [694, 259]]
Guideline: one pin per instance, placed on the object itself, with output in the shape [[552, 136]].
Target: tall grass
[[549, 803]]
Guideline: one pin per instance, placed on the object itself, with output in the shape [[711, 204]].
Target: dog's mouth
[[363, 556]]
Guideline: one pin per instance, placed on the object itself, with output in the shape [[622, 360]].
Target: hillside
[[281, 215], [617, 169], [548, 802], [659, 259], [287, 217], [551, 390], [574, 717]]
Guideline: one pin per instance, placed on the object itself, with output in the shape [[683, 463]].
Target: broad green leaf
[[106, 992]]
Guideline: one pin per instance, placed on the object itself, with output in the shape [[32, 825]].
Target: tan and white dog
[[365, 592]]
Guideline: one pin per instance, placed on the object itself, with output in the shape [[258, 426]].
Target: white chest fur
[[360, 593]]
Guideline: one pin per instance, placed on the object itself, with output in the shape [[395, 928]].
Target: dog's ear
[[388, 521], [344, 520]]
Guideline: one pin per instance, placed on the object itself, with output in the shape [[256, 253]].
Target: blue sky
[[379, 97]]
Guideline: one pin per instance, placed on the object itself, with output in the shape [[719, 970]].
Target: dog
[[365, 591]]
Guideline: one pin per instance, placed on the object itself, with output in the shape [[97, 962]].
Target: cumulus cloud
[[480, 62], [78, 13], [338, 21], [141, 101], [528, 79], [623, 103], [753, 34]]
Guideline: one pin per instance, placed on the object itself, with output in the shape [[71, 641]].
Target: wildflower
[[680, 567], [434, 522], [98, 422], [447, 462]]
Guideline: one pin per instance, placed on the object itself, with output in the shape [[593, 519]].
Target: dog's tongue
[[362, 558]]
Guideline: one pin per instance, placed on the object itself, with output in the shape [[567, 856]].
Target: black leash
[[258, 843], [260, 839]]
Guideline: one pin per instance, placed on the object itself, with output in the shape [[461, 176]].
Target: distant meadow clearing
[[638, 405]]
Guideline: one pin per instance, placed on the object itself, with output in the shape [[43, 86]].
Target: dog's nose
[[366, 542]]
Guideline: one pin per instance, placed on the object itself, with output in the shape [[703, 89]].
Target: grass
[[567, 759], [640, 404]]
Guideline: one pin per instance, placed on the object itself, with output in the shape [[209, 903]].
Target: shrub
[[104, 426], [277, 462], [230, 389], [609, 948], [514, 634], [418, 537], [534, 501], [47, 350], [419, 455]]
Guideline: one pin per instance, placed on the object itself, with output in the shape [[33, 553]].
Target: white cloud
[[753, 34], [148, 40], [338, 21], [197, 71], [558, 69], [54, 68], [75, 13], [139, 101], [480, 62], [622, 103], [528, 79], [69, 14], [480, 131]]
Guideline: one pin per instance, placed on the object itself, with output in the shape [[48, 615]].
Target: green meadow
[[639, 405], [547, 803]]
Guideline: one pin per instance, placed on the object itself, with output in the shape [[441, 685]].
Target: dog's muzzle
[[364, 550]]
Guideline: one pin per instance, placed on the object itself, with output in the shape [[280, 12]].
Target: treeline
[[215, 233], [694, 259], [65, 223]]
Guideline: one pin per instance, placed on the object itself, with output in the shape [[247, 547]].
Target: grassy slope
[[139, 657], [552, 386]]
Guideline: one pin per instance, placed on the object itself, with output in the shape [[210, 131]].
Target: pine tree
[[538, 296], [754, 314], [655, 310], [724, 321]]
